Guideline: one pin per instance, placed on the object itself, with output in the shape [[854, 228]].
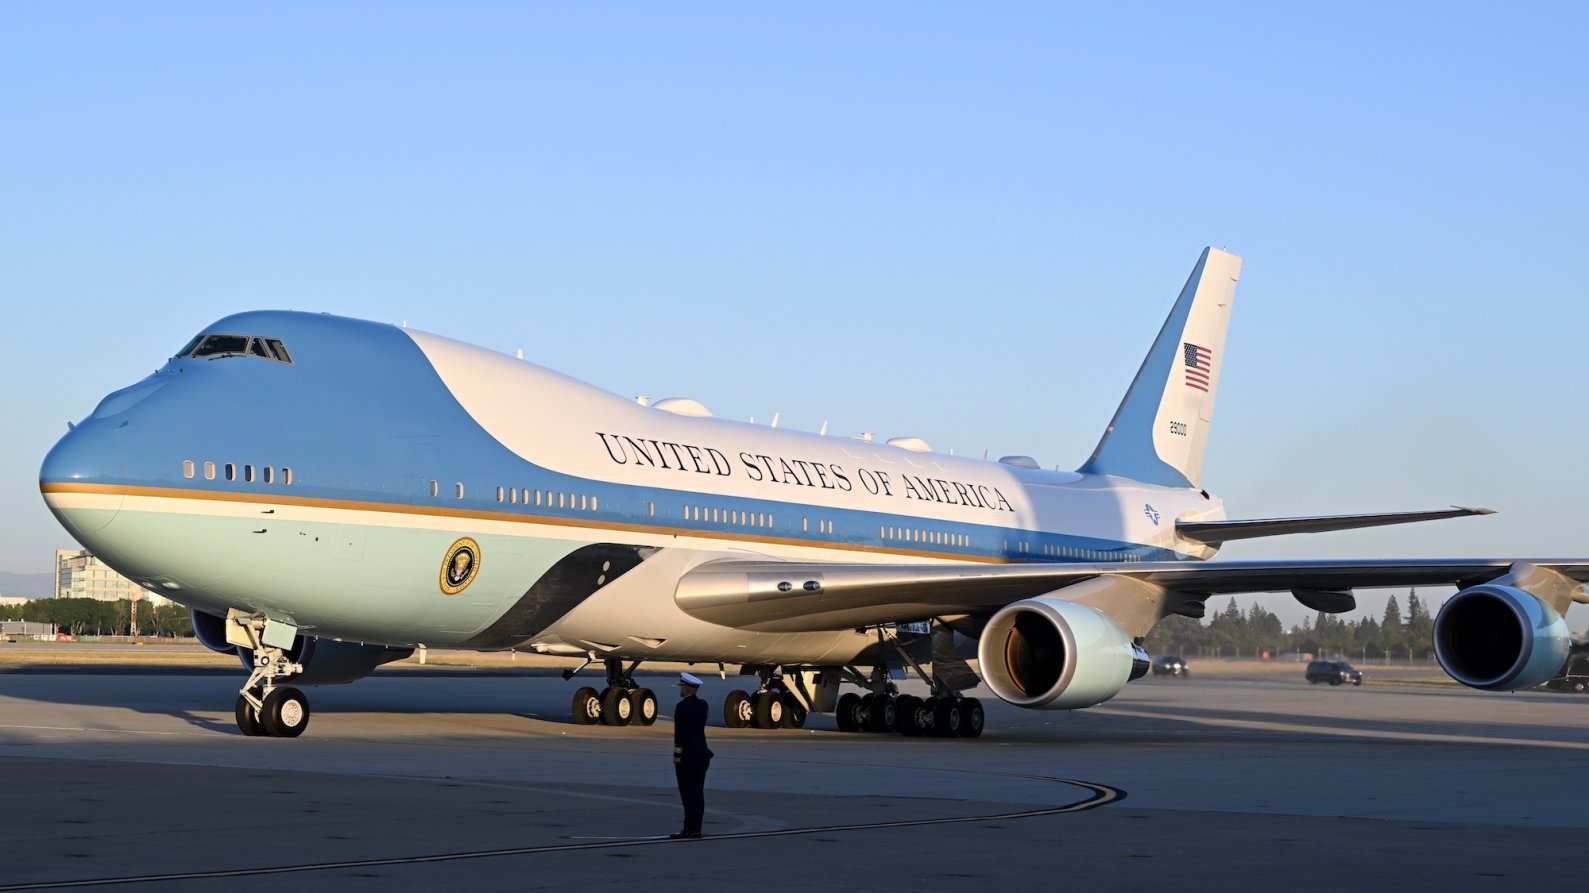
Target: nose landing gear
[[263, 708]]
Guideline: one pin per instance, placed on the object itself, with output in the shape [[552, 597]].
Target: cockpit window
[[277, 349], [216, 346]]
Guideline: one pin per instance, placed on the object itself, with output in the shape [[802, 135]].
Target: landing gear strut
[[264, 708], [622, 702], [945, 713], [772, 706]]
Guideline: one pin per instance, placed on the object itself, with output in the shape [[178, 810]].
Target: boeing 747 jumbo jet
[[329, 494]]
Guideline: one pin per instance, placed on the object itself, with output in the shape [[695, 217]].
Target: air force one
[[328, 494]]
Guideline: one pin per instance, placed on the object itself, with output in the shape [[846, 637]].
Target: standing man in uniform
[[691, 756]]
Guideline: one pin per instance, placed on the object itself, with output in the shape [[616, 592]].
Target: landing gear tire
[[616, 708], [1335, 682], [848, 712], [769, 710], [908, 716], [285, 712], [643, 706], [794, 712], [946, 718], [737, 710], [883, 714], [587, 707], [970, 711], [247, 722]]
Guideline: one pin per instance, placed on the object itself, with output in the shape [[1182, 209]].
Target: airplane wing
[[776, 596]]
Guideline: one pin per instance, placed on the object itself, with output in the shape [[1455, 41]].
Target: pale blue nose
[[82, 479]]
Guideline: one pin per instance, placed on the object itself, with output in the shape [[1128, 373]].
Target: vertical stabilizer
[[1161, 428]]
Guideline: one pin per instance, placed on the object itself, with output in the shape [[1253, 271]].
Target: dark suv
[[1170, 665], [1334, 672]]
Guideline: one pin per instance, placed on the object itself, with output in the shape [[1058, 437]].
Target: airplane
[[329, 494]]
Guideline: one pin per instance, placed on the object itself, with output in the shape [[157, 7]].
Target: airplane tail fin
[[1160, 430]]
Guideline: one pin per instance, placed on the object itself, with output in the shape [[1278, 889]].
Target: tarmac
[[137, 779]]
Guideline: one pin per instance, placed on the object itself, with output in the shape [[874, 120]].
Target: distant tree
[[1265, 633], [1178, 635], [1420, 628], [1390, 629], [1228, 630], [168, 620], [1366, 638]]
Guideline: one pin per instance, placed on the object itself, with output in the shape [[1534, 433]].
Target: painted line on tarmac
[[1348, 731], [114, 731], [1100, 795]]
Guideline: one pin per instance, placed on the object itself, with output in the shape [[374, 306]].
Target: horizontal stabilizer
[[1216, 532]]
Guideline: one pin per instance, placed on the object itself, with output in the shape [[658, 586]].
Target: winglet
[[1160, 430]]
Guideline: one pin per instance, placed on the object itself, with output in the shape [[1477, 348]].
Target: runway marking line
[[1353, 731], [1101, 796], [115, 731]]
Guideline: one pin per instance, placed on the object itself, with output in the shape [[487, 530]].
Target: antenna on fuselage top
[[775, 420], [824, 431]]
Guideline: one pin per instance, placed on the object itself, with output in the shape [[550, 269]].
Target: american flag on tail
[[1199, 365]]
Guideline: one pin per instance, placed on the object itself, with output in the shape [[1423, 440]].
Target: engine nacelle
[[210, 630], [324, 661], [1051, 654], [1500, 638], [329, 662]]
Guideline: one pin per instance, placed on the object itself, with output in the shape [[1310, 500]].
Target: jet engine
[[211, 631], [324, 661], [1051, 654], [1500, 638]]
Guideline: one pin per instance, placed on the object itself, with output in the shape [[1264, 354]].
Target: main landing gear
[[772, 706], [943, 714], [622, 702]]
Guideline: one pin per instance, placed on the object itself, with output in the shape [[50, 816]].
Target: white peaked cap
[[690, 679]]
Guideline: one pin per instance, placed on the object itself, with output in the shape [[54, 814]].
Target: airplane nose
[[82, 478]]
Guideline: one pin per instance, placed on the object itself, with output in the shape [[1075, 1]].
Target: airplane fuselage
[[372, 483]]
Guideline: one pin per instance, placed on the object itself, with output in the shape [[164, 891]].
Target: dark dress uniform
[[691, 758]]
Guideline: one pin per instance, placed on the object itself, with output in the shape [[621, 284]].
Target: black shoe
[[685, 835]]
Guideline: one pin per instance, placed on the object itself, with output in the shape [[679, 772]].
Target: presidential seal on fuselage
[[458, 569]]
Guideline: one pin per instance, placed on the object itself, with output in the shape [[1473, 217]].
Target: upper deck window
[[215, 346]]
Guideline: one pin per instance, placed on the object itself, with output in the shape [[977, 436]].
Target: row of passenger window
[[1054, 551], [530, 497], [934, 537], [584, 502], [727, 516], [229, 471]]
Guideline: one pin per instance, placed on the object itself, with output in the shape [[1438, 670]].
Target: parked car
[[1170, 665], [1334, 672], [1574, 675]]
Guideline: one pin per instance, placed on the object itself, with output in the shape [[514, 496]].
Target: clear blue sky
[[960, 223]]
